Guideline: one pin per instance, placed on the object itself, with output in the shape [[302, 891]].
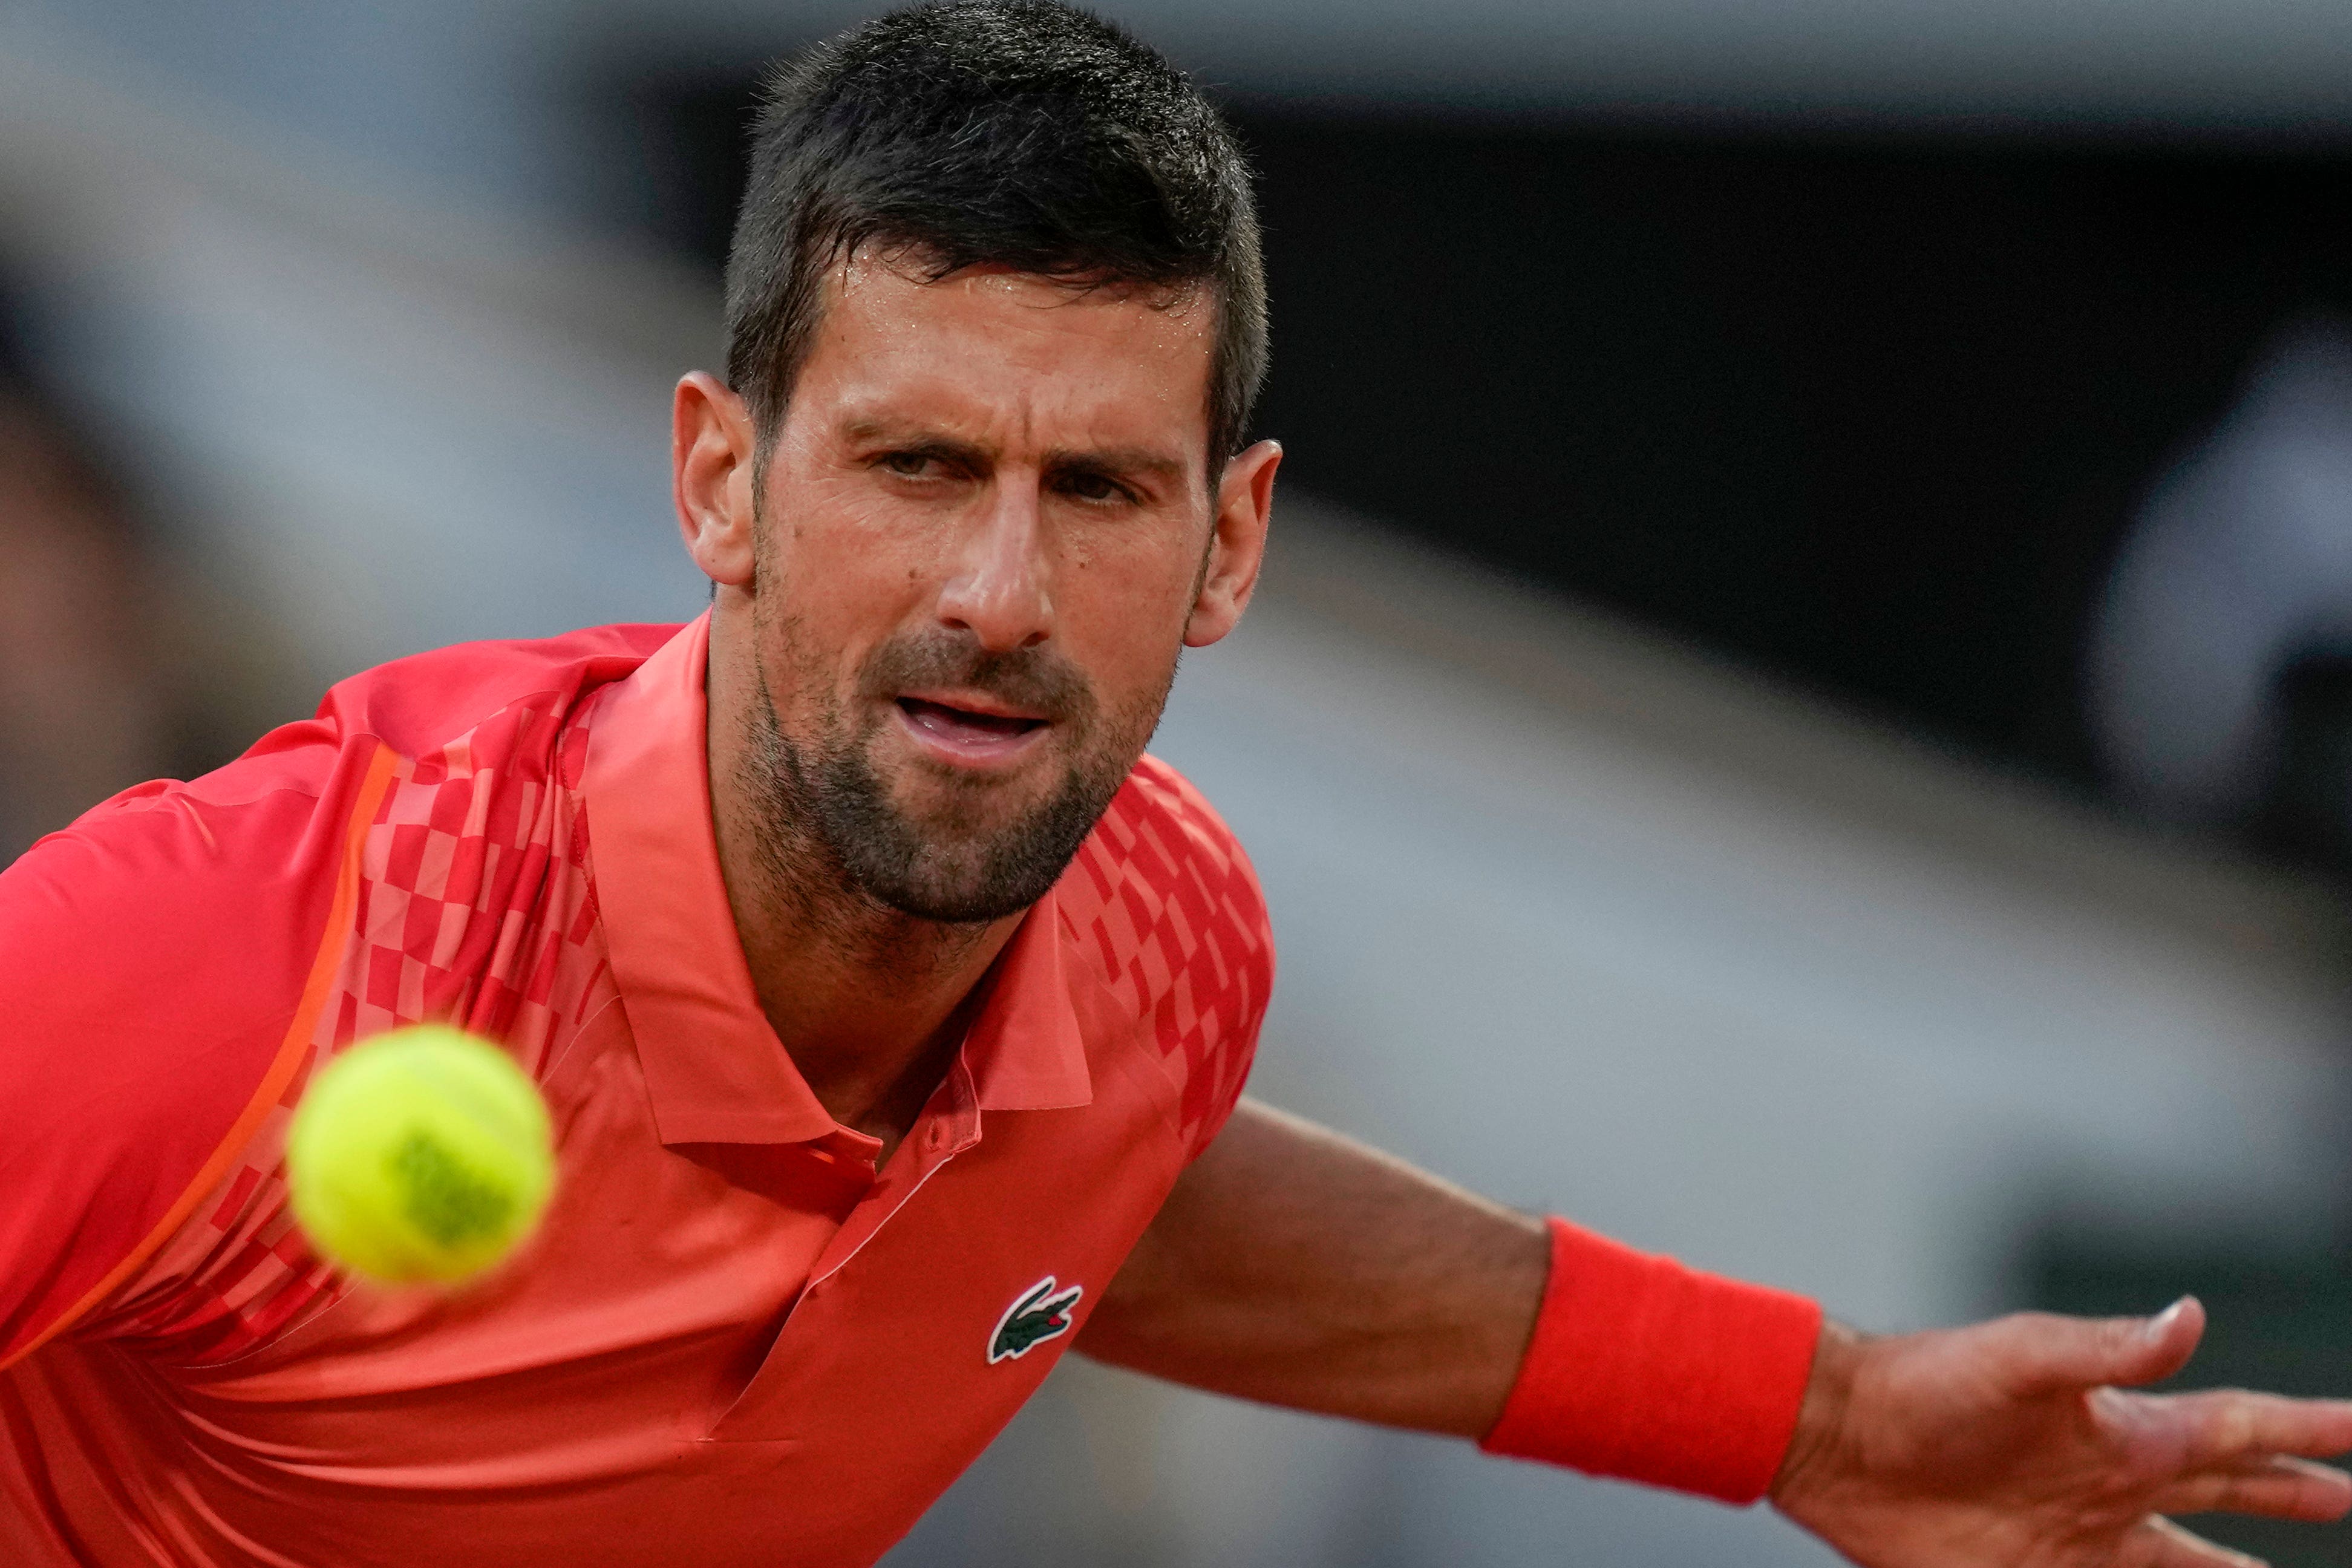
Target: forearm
[[1294, 1267], [1298, 1267]]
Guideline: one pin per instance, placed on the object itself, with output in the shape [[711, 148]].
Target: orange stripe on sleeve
[[299, 1031]]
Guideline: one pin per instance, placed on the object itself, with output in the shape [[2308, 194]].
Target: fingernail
[[2162, 1324]]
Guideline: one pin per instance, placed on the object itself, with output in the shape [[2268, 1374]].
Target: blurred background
[[1802, 708]]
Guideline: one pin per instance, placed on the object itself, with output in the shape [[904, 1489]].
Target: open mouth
[[965, 732]]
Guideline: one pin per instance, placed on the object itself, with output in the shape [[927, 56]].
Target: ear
[[710, 452], [1245, 509]]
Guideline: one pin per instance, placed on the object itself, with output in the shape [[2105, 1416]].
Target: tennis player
[[893, 1006]]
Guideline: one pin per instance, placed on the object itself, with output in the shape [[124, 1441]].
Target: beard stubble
[[824, 813]]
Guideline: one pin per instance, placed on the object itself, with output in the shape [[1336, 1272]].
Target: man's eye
[[1094, 486], [912, 464]]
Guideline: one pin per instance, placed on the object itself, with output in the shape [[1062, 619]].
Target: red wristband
[[1646, 1371]]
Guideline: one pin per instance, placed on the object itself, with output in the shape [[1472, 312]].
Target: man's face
[[980, 538]]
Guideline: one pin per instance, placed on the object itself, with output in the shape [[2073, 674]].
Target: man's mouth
[[968, 734]]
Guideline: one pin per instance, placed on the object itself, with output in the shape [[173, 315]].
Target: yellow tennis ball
[[422, 1154]]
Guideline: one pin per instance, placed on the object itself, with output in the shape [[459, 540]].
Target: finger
[[2160, 1543], [2275, 1488], [2219, 1428], [2038, 1352]]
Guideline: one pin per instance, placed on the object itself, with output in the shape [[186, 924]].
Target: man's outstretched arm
[[1295, 1266], [1298, 1267]]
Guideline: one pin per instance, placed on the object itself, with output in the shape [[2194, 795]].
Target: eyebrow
[[911, 437], [1118, 460]]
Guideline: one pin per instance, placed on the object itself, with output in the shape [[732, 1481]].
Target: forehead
[[992, 345]]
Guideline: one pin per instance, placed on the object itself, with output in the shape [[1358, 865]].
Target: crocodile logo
[[1042, 1313]]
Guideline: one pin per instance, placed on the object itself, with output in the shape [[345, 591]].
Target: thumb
[[2038, 1354]]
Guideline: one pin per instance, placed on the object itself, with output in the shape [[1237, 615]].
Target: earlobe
[[1237, 548], [711, 448]]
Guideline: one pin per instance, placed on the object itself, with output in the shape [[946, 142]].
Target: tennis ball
[[422, 1154]]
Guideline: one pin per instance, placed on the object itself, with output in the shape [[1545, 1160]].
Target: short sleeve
[[154, 958], [1167, 907]]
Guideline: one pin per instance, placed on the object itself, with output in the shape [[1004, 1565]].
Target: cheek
[[851, 581], [1148, 573], [818, 630], [1120, 616]]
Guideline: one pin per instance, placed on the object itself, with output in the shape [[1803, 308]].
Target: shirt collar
[[1026, 1051], [714, 1070]]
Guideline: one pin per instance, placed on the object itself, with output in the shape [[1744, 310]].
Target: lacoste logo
[[1042, 1313]]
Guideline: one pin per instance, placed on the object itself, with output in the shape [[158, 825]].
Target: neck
[[869, 1001]]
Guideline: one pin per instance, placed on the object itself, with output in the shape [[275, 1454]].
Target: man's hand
[[2012, 1444]]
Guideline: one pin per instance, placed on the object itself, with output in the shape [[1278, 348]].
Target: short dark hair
[[1023, 133]]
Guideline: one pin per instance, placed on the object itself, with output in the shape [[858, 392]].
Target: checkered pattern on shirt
[[476, 905], [1166, 906]]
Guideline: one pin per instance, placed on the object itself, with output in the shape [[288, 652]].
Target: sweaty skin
[[1010, 475]]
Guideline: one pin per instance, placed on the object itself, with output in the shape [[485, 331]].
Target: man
[[893, 1008]]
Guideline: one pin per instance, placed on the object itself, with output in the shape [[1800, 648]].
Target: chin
[[958, 888], [962, 866], [959, 845]]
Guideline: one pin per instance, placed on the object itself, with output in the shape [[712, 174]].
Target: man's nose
[[999, 590]]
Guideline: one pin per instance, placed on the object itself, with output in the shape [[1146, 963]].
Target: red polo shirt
[[735, 1340]]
